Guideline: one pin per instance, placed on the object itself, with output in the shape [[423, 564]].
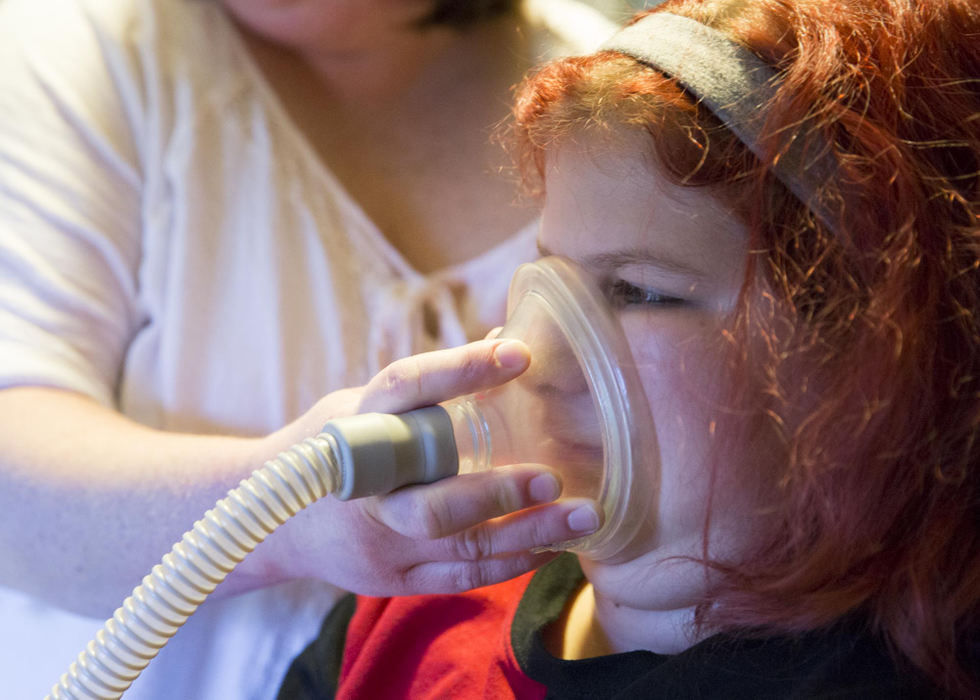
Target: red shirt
[[475, 644], [442, 646]]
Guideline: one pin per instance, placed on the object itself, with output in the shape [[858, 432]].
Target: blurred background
[[621, 9]]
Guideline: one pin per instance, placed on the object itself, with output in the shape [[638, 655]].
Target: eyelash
[[623, 294]]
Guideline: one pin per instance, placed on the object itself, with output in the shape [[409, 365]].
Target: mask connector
[[379, 452]]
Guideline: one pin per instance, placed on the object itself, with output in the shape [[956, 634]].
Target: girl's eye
[[622, 294]]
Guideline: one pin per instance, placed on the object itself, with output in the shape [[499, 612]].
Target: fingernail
[[584, 519], [510, 354], [543, 488]]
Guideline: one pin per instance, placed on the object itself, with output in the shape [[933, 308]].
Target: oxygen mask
[[579, 408]]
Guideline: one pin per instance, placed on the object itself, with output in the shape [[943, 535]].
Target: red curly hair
[[876, 508]]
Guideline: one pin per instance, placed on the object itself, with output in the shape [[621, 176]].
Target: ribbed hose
[[202, 559]]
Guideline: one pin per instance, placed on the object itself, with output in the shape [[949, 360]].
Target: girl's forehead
[[600, 202]]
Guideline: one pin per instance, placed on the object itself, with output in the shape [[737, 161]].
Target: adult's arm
[[89, 500]]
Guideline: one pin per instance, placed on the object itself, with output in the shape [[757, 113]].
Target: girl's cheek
[[676, 365]]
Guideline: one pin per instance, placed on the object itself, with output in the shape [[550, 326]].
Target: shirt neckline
[[460, 271]]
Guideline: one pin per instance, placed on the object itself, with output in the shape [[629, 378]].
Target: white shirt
[[171, 246]]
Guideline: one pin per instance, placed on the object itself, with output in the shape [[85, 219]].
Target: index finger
[[428, 378]]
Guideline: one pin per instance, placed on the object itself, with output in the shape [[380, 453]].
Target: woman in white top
[[212, 214]]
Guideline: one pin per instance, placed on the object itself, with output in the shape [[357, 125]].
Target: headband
[[735, 85]]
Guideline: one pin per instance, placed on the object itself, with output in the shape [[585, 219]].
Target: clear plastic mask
[[579, 408]]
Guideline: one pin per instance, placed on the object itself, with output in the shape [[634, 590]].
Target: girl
[[780, 201]]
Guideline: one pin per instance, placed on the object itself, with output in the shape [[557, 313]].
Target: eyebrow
[[635, 256]]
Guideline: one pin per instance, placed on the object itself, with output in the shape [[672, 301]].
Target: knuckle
[[505, 494], [476, 364], [474, 544], [468, 577], [402, 378], [428, 518], [415, 513], [541, 535]]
